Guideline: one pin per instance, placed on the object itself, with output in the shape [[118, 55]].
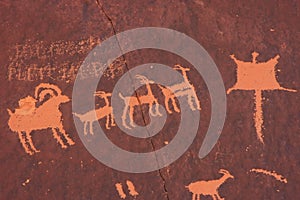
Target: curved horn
[[179, 67], [47, 89], [101, 94], [141, 77], [224, 171]]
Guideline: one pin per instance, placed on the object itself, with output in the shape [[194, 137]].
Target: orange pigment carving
[[184, 88], [258, 77], [106, 111], [131, 189], [278, 177], [132, 101], [208, 187], [38, 113], [120, 191]]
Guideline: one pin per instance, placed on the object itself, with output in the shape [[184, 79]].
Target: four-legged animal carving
[[209, 187], [184, 88], [131, 102], [106, 111], [29, 117], [42, 110]]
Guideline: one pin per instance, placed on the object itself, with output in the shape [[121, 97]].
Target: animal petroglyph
[[278, 177], [258, 77], [184, 88], [94, 115], [208, 187], [131, 102], [29, 117], [130, 187]]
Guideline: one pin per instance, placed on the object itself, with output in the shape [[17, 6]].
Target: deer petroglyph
[[29, 116], [106, 111], [209, 187], [130, 102], [184, 88]]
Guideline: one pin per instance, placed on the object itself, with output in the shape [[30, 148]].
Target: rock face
[[47, 41]]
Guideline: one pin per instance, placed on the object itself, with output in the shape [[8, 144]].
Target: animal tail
[[77, 115], [9, 112], [121, 96]]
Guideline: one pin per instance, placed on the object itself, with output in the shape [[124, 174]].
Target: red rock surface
[[222, 28]]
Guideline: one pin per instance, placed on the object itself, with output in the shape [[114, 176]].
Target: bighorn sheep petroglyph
[[37, 113], [106, 111], [184, 88], [131, 102], [208, 187]]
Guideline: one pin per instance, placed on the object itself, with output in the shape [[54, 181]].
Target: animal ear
[[223, 171]]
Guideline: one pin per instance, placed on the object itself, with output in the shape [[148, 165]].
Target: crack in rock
[[136, 94]]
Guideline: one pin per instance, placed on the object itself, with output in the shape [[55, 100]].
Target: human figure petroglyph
[[131, 101], [258, 77], [209, 187], [90, 117], [30, 117], [184, 88]]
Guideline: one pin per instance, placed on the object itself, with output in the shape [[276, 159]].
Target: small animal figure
[[89, 117], [209, 187]]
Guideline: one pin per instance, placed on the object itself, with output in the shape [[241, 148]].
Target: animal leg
[[66, 136], [23, 142], [197, 101], [85, 127], [91, 128], [131, 110], [175, 104], [28, 136], [190, 102], [124, 117], [218, 196], [214, 197], [194, 196], [59, 140], [107, 122], [157, 108], [151, 110], [167, 105], [112, 120]]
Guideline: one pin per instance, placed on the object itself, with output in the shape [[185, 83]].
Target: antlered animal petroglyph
[[258, 77], [131, 102], [184, 88], [106, 111], [29, 116], [209, 187]]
